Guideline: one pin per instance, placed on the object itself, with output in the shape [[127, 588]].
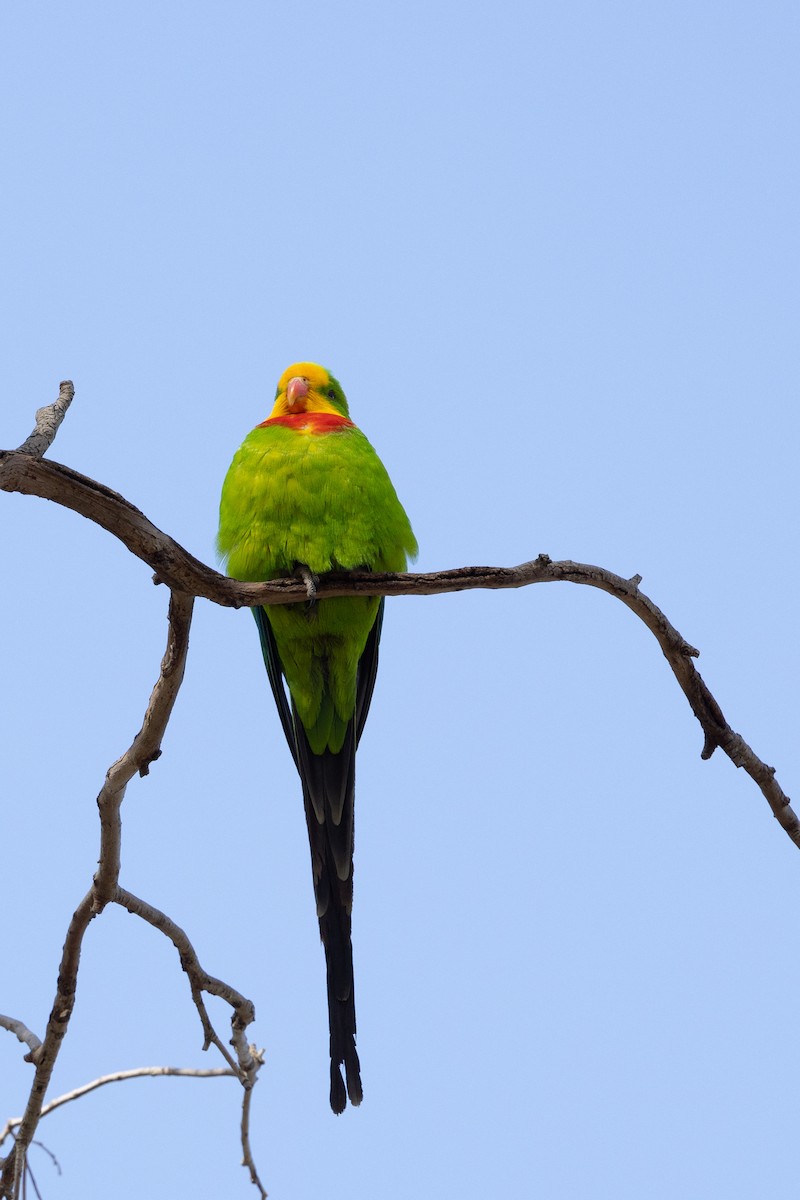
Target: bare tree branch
[[48, 420], [243, 1010], [23, 1034], [144, 749], [30, 1175], [249, 1058], [247, 1156], [180, 570], [117, 1077]]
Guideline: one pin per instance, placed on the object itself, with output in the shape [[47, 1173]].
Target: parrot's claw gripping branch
[[310, 580]]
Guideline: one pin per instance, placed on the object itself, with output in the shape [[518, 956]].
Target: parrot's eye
[[331, 394]]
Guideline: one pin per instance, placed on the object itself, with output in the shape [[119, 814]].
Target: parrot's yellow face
[[306, 387]]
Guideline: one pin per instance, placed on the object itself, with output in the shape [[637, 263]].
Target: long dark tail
[[329, 795], [329, 799]]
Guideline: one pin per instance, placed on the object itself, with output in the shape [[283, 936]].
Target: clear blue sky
[[551, 251]]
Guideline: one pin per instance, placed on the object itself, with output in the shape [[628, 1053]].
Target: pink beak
[[296, 392]]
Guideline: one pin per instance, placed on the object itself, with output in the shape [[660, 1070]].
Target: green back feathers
[[324, 500]]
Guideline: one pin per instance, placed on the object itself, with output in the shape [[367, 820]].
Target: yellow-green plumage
[[306, 489]]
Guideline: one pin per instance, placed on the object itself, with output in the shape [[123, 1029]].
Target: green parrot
[[307, 493]]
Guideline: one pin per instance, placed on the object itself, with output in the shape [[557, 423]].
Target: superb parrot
[[306, 493]]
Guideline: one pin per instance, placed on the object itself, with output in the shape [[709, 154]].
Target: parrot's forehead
[[316, 375]]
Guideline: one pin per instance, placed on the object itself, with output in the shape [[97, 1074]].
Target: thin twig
[[247, 1156], [49, 1154], [23, 1034], [243, 1009], [30, 1175], [249, 1057], [118, 1077], [48, 420], [145, 748]]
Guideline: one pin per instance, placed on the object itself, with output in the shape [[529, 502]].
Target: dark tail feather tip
[[338, 1097], [352, 1069]]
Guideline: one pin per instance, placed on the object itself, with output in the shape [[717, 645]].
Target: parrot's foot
[[309, 579]]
